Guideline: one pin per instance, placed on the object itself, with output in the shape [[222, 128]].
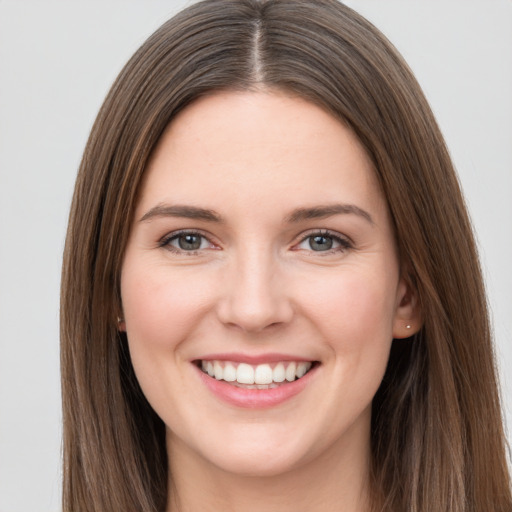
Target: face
[[261, 287]]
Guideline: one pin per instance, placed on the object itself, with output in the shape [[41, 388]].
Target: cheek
[[160, 307], [161, 310], [353, 309], [355, 320]]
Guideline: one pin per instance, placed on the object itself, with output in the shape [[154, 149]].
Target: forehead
[[258, 146]]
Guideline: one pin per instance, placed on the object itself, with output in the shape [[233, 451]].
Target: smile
[[260, 376], [260, 385]]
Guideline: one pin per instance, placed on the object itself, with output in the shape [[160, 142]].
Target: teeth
[[278, 375], [290, 372], [302, 368], [257, 386], [229, 373], [218, 371], [245, 374], [261, 376]]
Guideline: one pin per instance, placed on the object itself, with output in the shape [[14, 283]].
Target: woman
[[271, 296]]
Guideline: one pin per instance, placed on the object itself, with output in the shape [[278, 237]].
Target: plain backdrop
[[57, 61]]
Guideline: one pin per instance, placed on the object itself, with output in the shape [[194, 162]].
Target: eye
[[324, 241], [185, 241]]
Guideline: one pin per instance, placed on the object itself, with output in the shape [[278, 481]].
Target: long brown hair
[[437, 435]]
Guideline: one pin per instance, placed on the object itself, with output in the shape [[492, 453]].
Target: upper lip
[[254, 359]]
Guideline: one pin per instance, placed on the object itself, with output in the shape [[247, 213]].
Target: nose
[[254, 293]]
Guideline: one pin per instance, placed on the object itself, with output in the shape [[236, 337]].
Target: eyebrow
[[323, 211], [298, 215], [189, 212]]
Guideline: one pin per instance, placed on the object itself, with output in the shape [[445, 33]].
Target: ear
[[121, 325], [408, 318]]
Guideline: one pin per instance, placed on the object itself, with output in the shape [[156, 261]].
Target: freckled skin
[[257, 284]]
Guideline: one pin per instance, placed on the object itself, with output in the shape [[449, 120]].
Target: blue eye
[[324, 242], [321, 242], [189, 242], [186, 241]]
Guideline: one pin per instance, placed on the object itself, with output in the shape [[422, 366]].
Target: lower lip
[[255, 398]]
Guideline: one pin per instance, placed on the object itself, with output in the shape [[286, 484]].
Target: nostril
[[254, 304]]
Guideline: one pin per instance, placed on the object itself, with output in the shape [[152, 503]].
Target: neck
[[335, 481]]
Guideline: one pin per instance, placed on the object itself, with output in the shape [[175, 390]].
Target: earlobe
[[407, 319], [121, 326]]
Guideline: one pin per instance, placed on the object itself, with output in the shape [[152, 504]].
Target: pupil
[[189, 242], [321, 243]]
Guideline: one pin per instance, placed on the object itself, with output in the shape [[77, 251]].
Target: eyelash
[[165, 242], [344, 243]]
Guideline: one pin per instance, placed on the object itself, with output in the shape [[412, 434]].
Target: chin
[[246, 450], [256, 463]]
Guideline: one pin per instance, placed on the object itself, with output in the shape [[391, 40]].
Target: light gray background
[[57, 60]]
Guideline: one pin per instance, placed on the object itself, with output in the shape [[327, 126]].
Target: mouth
[[256, 376]]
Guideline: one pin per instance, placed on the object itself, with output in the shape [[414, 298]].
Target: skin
[[257, 285]]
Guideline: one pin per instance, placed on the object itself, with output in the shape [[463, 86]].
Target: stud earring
[[407, 326]]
